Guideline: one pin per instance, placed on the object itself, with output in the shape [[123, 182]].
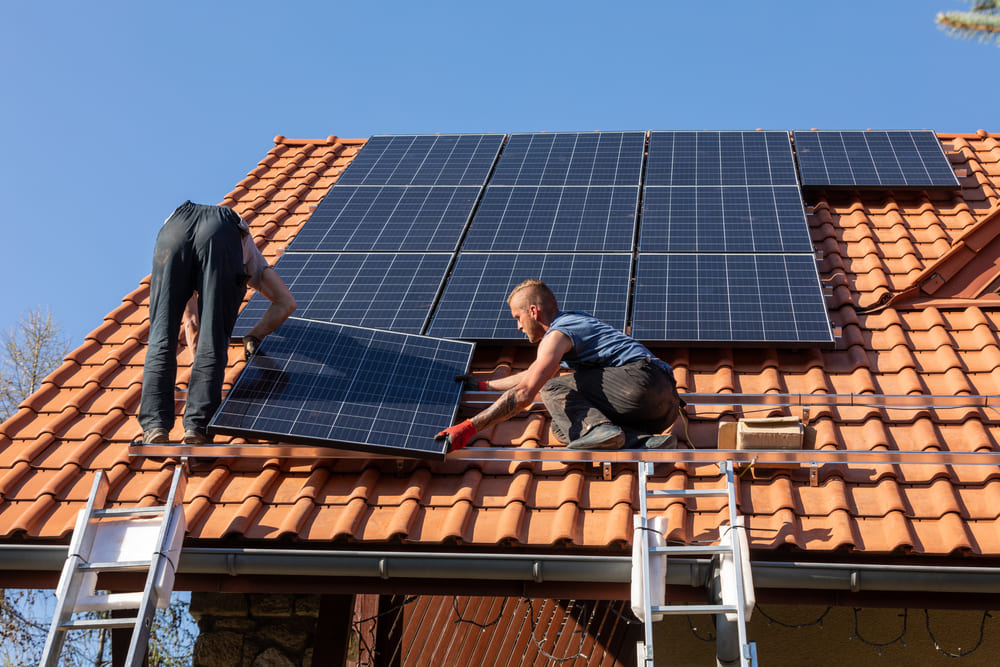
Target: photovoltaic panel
[[571, 158], [424, 159], [388, 218], [720, 158], [731, 218], [873, 159], [554, 219], [765, 299], [474, 303], [393, 291], [317, 383]]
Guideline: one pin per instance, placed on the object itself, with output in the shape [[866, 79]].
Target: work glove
[[471, 383], [457, 436], [250, 345]]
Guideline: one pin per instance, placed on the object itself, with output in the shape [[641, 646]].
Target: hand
[[250, 345], [458, 436], [471, 383]]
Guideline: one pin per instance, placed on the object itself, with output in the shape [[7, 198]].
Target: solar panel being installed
[[554, 219], [873, 159], [717, 298], [393, 291], [724, 219], [388, 218], [429, 159], [317, 383], [720, 158], [571, 158], [474, 304]]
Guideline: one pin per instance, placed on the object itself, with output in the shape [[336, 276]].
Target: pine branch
[[982, 23]]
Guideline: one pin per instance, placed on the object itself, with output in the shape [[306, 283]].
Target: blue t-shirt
[[598, 344]]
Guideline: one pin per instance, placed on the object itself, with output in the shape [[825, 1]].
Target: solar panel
[[317, 383], [873, 159], [571, 158], [555, 219], [424, 159], [474, 303], [728, 218], [394, 291], [717, 298], [388, 218], [720, 158]]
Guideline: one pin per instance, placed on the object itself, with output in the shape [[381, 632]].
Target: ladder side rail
[[67, 591], [645, 469], [747, 652]]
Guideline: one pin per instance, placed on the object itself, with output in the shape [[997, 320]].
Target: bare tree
[[982, 23], [29, 350]]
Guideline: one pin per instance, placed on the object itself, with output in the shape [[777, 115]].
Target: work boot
[[667, 441], [602, 436], [156, 436], [195, 436]]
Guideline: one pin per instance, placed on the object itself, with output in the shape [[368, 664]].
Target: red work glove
[[458, 436], [471, 383]]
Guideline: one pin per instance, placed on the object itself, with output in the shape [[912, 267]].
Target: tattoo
[[503, 408]]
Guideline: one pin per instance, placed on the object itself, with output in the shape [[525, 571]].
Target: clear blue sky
[[115, 112]]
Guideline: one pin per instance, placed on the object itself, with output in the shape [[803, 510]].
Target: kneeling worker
[[619, 395]]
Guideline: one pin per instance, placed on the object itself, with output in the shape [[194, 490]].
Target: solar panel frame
[[474, 302], [571, 158], [873, 159], [388, 219], [751, 299], [554, 219], [392, 291], [424, 159], [729, 218], [326, 384], [720, 158]]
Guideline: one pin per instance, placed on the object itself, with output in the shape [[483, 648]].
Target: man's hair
[[536, 293]]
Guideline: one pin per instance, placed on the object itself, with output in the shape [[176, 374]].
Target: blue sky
[[115, 112]]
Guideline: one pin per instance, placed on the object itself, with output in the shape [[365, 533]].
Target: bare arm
[[282, 304], [521, 388]]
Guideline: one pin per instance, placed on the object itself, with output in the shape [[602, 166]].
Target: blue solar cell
[[720, 158], [873, 159], [318, 383], [474, 303], [571, 158], [723, 219], [555, 219], [772, 299], [388, 218], [431, 159], [393, 291]]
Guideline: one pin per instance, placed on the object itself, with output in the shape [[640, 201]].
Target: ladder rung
[[96, 623], [131, 511], [117, 566], [694, 609], [689, 493], [694, 550]]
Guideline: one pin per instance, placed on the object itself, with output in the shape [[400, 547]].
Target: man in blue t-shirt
[[619, 395]]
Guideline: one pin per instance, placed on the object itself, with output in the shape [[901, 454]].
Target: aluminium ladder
[[121, 539], [733, 563]]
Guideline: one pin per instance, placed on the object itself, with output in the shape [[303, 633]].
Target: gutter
[[538, 568]]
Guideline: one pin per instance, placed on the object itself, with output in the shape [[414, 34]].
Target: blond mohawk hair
[[536, 293]]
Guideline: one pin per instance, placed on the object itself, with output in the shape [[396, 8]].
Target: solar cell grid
[[447, 159], [714, 298], [571, 158], [319, 383], [555, 219], [388, 218], [720, 158], [474, 303]]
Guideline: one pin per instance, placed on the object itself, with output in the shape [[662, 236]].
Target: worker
[[203, 260], [619, 395]]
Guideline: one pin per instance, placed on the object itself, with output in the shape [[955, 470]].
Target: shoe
[[668, 441], [602, 436], [156, 436], [195, 436]]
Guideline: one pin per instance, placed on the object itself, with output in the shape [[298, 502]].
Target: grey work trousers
[[640, 397], [198, 248]]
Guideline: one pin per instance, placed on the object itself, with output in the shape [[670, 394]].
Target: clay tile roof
[[912, 320]]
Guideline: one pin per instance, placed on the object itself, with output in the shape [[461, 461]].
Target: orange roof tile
[[899, 336]]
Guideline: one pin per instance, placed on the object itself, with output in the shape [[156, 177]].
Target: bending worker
[[619, 395], [205, 255]]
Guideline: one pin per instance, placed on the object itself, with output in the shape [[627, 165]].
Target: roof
[[907, 272]]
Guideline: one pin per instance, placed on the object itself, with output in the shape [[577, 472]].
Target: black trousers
[[641, 397], [198, 248]]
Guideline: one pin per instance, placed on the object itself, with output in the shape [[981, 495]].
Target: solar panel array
[[873, 159], [317, 383]]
